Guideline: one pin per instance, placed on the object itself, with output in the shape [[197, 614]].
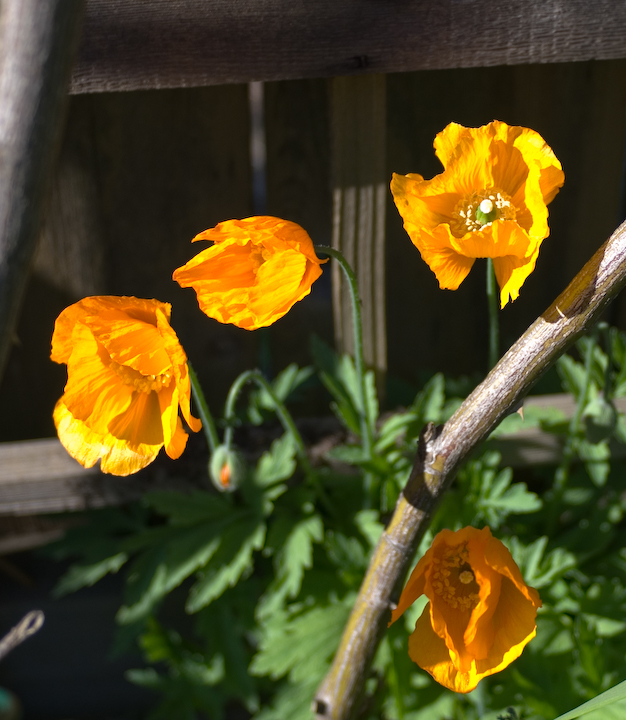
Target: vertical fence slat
[[360, 188]]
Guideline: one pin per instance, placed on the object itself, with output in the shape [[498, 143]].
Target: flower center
[[141, 383], [479, 209], [258, 255], [454, 579]]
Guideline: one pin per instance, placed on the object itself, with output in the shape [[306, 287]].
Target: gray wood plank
[[360, 188], [134, 44], [38, 476]]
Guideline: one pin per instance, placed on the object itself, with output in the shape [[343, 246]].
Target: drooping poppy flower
[[127, 376], [490, 202], [481, 613], [255, 271]]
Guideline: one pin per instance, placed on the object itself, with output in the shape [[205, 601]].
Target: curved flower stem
[[440, 453], [286, 420], [203, 410], [367, 432], [494, 326]]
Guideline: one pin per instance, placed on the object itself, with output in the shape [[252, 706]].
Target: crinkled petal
[[254, 273], [178, 442], [500, 239], [93, 392], [511, 273], [141, 423], [424, 204], [447, 142], [514, 622], [87, 446], [414, 587], [429, 651], [279, 285], [449, 266]]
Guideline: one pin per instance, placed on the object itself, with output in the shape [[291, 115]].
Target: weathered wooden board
[[38, 476], [134, 44]]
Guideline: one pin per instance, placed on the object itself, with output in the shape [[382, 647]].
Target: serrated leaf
[[516, 499], [572, 374], [187, 509], [181, 556], [79, 576], [349, 454], [283, 385], [339, 378], [596, 458], [371, 398], [539, 570], [291, 701], [301, 645], [230, 562], [346, 374], [278, 463], [429, 402], [393, 428], [370, 526], [293, 558]]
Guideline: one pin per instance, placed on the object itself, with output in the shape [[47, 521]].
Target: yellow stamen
[[453, 578]]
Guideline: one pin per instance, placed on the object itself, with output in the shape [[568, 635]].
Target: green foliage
[[268, 573]]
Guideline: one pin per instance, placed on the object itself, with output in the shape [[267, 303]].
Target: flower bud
[[226, 469]]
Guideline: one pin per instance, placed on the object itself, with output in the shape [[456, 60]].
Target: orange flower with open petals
[[481, 613], [255, 271], [127, 377], [490, 202]]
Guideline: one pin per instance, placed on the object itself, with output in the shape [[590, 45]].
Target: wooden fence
[[157, 148]]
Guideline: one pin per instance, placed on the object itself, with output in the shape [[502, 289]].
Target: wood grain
[[359, 180], [37, 47], [134, 44]]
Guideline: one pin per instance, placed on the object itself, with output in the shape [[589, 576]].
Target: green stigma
[[486, 212]]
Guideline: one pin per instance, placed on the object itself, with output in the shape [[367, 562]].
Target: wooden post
[[37, 46], [360, 187]]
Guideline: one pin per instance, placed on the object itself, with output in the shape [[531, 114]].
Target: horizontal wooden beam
[[38, 476], [135, 44]]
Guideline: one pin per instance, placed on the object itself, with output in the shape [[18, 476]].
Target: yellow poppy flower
[[481, 613], [255, 271], [490, 202], [127, 376]]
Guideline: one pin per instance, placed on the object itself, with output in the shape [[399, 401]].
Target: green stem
[[494, 326], [203, 410], [608, 388], [284, 415], [367, 432]]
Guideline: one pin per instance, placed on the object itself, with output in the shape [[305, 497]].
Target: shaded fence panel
[[579, 109], [142, 172]]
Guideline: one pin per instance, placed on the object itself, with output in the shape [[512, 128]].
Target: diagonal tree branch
[[37, 46], [440, 453]]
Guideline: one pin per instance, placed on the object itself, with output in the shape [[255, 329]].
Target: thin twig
[[440, 455], [26, 627]]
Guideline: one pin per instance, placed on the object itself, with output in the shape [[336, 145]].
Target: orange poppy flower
[[127, 376], [255, 271], [481, 613], [490, 202]]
